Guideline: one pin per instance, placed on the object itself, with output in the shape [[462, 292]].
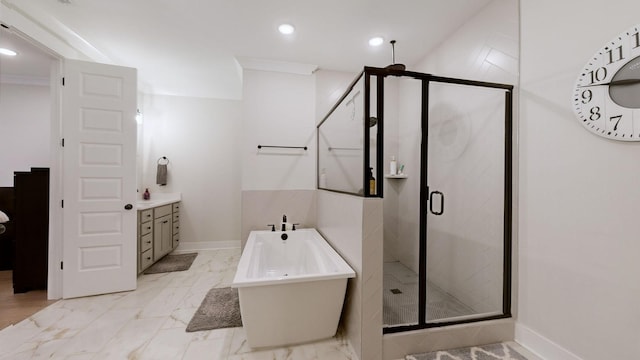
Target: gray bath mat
[[219, 309], [499, 351], [171, 263]]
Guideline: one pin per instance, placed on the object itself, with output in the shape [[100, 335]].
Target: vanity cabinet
[[158, 233], [176, 224], [145, 239]]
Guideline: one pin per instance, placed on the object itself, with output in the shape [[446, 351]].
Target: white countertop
[[158, 199]]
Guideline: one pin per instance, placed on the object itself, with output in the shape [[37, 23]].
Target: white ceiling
[[198, 47]]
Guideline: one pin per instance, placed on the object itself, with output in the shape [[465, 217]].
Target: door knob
[[128, 207]]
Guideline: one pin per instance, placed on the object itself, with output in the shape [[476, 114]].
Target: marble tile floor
[[149, 323]]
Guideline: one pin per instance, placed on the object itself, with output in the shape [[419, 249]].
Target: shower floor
[[400, 289]]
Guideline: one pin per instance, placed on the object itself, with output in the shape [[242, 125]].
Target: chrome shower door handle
[[431, 197]]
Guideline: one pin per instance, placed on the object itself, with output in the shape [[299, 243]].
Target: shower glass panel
[[466, 202], [341, 144], [350, 140]]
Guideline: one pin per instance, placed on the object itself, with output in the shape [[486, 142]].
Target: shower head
[[394, 66]]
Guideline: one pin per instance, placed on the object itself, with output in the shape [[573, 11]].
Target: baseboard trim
[[191, 246], [541, 346]]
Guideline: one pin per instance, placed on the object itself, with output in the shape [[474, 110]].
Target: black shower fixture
[[394, 66]]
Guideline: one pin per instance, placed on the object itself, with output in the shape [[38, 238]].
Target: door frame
[[41, 36]]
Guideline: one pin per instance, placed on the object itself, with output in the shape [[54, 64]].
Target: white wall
[[25, 129], [200, 138], [277, 109], [579, 193]]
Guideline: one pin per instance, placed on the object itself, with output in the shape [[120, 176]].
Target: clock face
[[606, 98]]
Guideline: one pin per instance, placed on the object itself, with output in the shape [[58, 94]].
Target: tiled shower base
[[400, 289]]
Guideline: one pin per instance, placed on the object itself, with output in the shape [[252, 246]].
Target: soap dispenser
[[146, 195]]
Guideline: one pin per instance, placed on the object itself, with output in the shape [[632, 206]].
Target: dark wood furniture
[[7, 239], [31, 224]]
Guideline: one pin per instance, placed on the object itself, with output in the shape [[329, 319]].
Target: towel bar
[[282, 147]]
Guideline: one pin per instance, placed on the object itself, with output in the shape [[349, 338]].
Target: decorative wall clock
[[606, 98]]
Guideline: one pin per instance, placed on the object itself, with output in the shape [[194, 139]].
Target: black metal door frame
[[426, 79]]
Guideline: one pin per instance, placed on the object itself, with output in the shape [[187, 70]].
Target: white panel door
[[99, 155]]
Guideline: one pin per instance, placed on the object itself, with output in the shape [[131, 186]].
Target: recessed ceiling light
[[376, 41], [286, 29], [8, 52]]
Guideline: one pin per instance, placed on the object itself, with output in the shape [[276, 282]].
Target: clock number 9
[[587, 95], [595, 113]]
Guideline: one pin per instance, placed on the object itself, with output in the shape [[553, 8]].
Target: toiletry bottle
[[372, 182], [393, 166], [146, 194]]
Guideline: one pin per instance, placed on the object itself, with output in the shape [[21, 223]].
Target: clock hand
[[616, 82]]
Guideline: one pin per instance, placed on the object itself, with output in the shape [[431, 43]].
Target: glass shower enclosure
[[447, 216]]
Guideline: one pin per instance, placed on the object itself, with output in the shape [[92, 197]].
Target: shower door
[[466, 202], [447, 241]]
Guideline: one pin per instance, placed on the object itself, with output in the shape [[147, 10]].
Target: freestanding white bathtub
[[291, 291]]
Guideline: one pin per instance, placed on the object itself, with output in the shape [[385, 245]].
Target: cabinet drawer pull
[[148, 257], [148, 242], [166, 221]]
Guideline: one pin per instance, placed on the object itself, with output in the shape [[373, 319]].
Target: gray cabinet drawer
[[176, 227], [146, 228], [176, 207], [146, 259], [146, 242], [176, 240], [161, 211], [146, 215], [176, 217]]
